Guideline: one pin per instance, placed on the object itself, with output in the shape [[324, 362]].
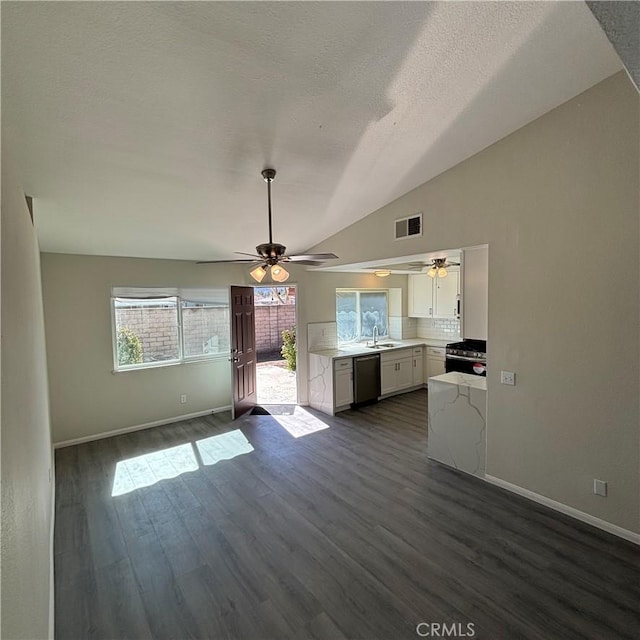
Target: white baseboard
[[52, 584], [139, 427], [567, 510]]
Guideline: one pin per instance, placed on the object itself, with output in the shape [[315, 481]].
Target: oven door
[[465, 365]]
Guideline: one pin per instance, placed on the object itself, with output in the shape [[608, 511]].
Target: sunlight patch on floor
[[300, 422], [223, 447], [147, 470]]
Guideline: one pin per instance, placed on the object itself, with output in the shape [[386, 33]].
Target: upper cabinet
[[446, 295], [434, 297], [475, 292], [420, 300]]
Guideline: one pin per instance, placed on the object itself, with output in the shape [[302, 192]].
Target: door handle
[[234, 359]]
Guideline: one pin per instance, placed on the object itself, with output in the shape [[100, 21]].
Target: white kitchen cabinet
[[446, 295], [418, 365], [435, 361], [343, 382], [433, 297], [396, 371], [475, 292], [420, 296]]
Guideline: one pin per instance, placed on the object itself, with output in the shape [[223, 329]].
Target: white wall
[[87, 398], [27, 492], [558, 204]]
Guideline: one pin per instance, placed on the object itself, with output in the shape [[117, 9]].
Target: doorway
[[276, 324]]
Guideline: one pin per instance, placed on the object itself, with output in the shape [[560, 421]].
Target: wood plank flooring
[[345, 532]]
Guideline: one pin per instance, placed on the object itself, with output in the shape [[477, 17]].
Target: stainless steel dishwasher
[[366, 379]]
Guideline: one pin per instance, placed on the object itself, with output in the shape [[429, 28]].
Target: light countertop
[[462, 380], [361, 349]]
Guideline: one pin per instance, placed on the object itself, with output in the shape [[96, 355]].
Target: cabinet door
[[343, 388], [435, 367], [418, 366], [446, 295], [388, 373], [420, 302], [404, 374]]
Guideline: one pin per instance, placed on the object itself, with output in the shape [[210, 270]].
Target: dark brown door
[[243, 350]]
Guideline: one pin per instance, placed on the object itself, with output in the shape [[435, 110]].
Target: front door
[[243, 351]]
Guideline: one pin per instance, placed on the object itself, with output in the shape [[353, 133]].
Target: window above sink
[[358, 311]]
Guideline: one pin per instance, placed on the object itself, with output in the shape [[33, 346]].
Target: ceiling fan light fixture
[[442, 272], [258, 273], [279, 273], [432, 272], [382, 273]]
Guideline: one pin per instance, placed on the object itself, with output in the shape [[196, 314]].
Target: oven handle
[[466, 359]]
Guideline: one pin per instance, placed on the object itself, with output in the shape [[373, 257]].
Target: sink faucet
[[375, 335]]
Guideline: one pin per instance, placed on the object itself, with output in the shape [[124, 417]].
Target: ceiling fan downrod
[[269, 175]]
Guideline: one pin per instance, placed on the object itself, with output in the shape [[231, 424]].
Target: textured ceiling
[[142, 128]]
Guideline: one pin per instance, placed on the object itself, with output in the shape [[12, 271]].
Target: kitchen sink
[[382, 345]]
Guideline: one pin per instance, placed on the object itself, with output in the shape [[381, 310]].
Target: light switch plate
[[507, 377]]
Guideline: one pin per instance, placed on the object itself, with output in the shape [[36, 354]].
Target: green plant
[[288, 350], [129, 347]]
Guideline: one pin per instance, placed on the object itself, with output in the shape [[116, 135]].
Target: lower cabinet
[[435, 361], [396, 371], [418, 365], [343, 382]]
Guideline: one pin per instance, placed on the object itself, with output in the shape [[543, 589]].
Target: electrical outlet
[[600, 488], [183, 398], [507, 377]]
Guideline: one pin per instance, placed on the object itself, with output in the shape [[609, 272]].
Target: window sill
[[173, 363]]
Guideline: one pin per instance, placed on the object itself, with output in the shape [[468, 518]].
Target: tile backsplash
[[322, 335], [439, 328], [402, 328]]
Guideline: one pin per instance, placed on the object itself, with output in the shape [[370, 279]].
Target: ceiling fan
[[439, 267], [271, 254]]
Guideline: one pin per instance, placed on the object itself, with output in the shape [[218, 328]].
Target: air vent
[[408, 227]]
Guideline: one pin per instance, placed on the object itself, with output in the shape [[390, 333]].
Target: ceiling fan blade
[[253, 255], [228, 261], [311, 263], [313, 256]]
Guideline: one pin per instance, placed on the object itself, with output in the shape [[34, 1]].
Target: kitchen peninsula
[[457, 421]]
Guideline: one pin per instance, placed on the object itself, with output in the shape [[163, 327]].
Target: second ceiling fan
[[270, 255]]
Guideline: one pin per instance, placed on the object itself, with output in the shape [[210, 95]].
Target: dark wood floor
[[346, 532]]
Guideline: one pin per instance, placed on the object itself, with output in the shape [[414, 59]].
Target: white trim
[[138, 427], [52, 584], [567, 510]]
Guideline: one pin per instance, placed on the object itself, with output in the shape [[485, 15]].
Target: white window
[[154, 327], [359, 311]]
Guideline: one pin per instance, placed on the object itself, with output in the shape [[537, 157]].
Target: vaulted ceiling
[[141, 128]]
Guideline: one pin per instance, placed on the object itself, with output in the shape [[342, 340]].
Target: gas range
[[467, 356]]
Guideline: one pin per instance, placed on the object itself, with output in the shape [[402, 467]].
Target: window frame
[[360, 337], [181, 359]]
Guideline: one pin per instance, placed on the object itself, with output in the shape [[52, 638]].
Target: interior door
[[243, 350]]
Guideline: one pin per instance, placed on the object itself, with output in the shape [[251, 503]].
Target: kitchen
[[446, 299]]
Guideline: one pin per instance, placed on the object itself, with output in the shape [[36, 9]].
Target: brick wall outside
[[271, 320], [205, 330]]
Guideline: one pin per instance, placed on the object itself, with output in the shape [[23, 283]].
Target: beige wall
[[558, 204], [87, 398], [27, 490]]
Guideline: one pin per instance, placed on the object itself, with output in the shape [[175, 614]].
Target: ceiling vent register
[[408, 227]]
